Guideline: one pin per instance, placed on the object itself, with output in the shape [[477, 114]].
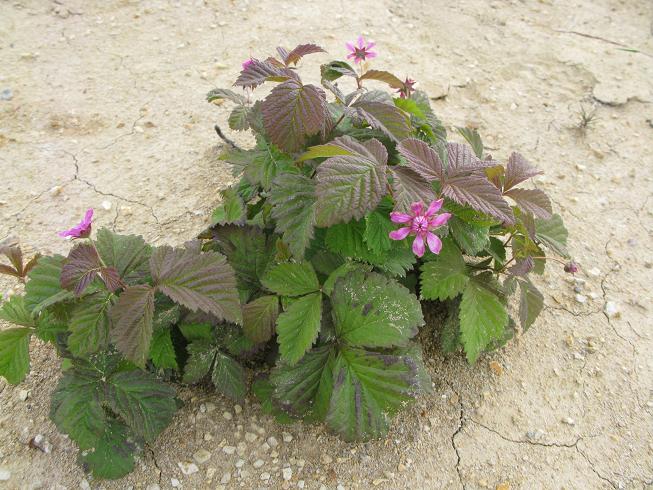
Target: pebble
[[569, 421], [249, 437], [594, 272], [188, 468], [23, 395], [238, 409], [326, 459], [210, 473], [229, 449], [40, 442], [5, 474], [258, 463], [340, 487], [174, 482], [210, 407], [56, 190], [6, 94], [581, 298], [154, 486], [201, 456], [265, 476], [227, 416], [287, 437], [611, 309], [106, 205], [272, 441], [226, 478], [287, 474], [84, 484], [300, 484], [240, 463]]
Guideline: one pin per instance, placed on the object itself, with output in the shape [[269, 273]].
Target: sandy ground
[[105, 105]]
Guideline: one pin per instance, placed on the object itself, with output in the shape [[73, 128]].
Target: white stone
[[611, 309], [227, 416], [5, 474], [106, 205], [201, 456], [56, 190], [287, 473], [226, 478], [240, 463], [229, 449], [238, 409], [569, 421], [272, 441], [300, 484], [265, 476], [174, 482], [581, 298], [188, 468], [84, 485], [249, 437], [258, 463], [23, 395], [594, 272], [287, 437], [154, 486]]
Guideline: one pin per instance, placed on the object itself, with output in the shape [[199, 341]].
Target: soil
[[105, 108]]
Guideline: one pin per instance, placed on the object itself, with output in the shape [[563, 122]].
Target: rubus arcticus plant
[[349, 208]]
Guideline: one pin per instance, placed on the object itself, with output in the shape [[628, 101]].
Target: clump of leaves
[[351, 208]]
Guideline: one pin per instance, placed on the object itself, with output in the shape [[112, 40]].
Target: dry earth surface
[[102, 105]]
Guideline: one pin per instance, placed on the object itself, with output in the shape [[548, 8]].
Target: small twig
[[609, 41], [225, 139]]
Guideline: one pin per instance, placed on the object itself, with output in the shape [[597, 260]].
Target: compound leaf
[[298, 326]]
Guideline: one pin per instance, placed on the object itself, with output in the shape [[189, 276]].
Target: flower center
[[420, 224], [360, 53]]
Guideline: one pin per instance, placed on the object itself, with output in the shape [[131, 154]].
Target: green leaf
[[132, 323], [304, 390], [198, 281], [324, 151], [229, 377], [450, 334], [446, 276], [146, 404], [50, 327], [369, 387], [349, 186], [89, 324], [291, 112], [225, 94], [388, 118], [291, 279], [370, 310], [239, 118], [293, 208], [14, 354], [14, 311], [44, 286], [259, 318], [298, 326], [531, 302], [483, 318], [127, 253], [471, 238], [474, 140], [377, 229], [230, 210], [553, 234], [76, 406], [162, 351], [197, 331], [113, 454], [335, 69], [268, 162], [343, 270], [201, 355], [263, 390]]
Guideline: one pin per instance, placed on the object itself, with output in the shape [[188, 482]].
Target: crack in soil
[[461, 424]]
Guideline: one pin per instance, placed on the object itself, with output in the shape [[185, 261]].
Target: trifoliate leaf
[[198, 281], [305, 388], [14, 354], [483, 318], [259, 318], [89, 324], [44, 286], [112, 456], [531, 302], [351, 185], [14, 311], [146, 404], [294, 202], [553, 234], [127, 253], [132, 323], [298, 326], [229, 377], [371, 310], [291, 279], [446, 276], [368, 389]]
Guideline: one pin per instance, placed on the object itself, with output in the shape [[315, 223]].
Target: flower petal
[[434, 208], [417, 208], [439, 220], [88, 216], [350, 46], [397, 217], [370, 44], [361, 42], [418, 246], [370, 54], [434, 243], [400, 234]]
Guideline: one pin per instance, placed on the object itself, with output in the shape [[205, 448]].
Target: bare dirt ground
[[103, 103]]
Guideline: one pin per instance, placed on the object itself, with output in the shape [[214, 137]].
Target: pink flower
[[82, 230], [247, 63], [571, 267], [420, 224], [361, 51], [405, 91]]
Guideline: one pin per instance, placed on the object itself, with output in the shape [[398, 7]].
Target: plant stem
[[225, 139]]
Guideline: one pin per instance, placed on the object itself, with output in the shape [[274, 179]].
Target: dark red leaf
[[31, 264], [5, 269], [408, 187], [132, 322], [422, 159], [80, 268], [258, 72], [300, 51], [383, 76], [387, 118], [533, 201], [476, 191], [522, 267], [517, 171], [111, 278], [12, 251]]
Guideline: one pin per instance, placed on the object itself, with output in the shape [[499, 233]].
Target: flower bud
[[571, 267]]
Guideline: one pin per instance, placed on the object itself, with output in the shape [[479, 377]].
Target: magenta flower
[[361, 51], [571, 267], [420, 224], [82, 230], [247, 63], [407, 89]]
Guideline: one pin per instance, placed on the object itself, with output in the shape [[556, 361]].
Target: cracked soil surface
[[106, 107]]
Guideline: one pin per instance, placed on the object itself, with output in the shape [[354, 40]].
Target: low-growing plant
[[348, 209]]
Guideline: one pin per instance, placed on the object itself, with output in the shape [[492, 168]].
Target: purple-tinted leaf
[[532, 201], [5, 269], [111, 278], [258, 72], [383, 76], [31, 264], [422, 159], [340, 97], [474, 139], [408, 187], [259, 317], [283, 52], [300, 51], [531, 302], [293, 111], [387, 118], [476, 191], [12, 251], [461, 159], [132, 322], [348, 186], [522, 266], [495, 174], [224, 93], [517, 171], [198, 281], [80, 268]]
